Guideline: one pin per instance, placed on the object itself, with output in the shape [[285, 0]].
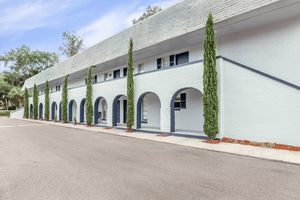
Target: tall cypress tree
[[88, 101], [210, 82], [130, 90], [65, 101], [26, 104], [35, 102], [47, 106]]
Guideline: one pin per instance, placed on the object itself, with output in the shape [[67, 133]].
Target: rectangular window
[[182, 58], [125, 71], [140, 68], [105, 76], [180, 102], [95, 79], [117, 73], [158, 63], [171, 60]]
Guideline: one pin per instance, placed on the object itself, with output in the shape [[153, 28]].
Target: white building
[[258, 47]]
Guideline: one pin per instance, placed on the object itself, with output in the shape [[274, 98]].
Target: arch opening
[[72, 111], [100, 111], [82, 111], [54, 111], [187, 112], [149, 112], [119, 110], [41, 111]]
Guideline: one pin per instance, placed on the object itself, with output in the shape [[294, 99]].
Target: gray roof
[[177, 20]]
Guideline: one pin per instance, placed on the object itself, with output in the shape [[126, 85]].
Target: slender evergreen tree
[[26, 104], [88, 101], [130, 90], [65, 100], [47, 106], [35, 102], [210, 82]]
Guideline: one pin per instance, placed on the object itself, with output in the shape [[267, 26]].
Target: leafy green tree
[[130, 90], [24, 63], [26, 104], [35, 102], [150, 11], [5, 87], [210, 82], [47, 99], [88, 102], [72, 44], [65, 100], [15, 96]]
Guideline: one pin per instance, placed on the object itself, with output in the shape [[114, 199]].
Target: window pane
[[117, 73], [172, 60], [182, 58], [158, 61]]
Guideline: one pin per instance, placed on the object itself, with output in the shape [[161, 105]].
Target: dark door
[[118, 111], [124, 111]]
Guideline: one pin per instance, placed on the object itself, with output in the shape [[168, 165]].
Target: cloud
[[115, 21], [16, 17]]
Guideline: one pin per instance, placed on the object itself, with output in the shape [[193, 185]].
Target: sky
[[39, 24]]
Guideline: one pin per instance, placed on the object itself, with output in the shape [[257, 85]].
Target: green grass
[[4, 113]]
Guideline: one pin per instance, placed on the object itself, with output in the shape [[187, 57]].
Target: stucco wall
[[272, 48], [258, 108]]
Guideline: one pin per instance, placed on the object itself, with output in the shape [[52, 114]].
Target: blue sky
[[39, 24]]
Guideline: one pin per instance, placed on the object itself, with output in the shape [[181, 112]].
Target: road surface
[[39, 161]]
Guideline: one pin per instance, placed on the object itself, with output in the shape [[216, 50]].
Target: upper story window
[[117, 73], [125, 71], [95, 79], [171, 60], [105, 76], [182, 58], [159, 63], [140, 68], [57, 88]]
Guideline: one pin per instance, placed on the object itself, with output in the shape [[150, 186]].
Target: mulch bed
[[261, 144]]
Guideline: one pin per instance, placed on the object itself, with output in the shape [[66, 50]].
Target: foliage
[[4, 113], [5, 87], [35, 102], [210, 82], [24, 63], [88, 102], [26, 104], [47, 106], [150, 10], [16, 96], [72, 44], [130, 90], [65, 100]]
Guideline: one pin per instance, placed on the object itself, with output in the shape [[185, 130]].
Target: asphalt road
[[39, 161]]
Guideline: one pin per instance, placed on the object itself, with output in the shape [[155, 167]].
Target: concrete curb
[[236, 149]]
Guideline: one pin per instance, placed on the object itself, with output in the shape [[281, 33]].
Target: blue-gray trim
[[115, 110], [53, 110], [199, 61], [41, 111], [71, 110], [60, 111], [82, 105], [261, 73]]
